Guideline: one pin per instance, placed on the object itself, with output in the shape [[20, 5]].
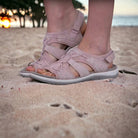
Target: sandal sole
[[111, 73], [25, 73]]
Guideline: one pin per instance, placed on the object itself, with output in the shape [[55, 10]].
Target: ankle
[[94, 49], [61, 15], [61, 20]]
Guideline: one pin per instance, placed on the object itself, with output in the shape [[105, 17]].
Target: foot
[[82, 61], [85, 46], [59, 28], [52, 58]]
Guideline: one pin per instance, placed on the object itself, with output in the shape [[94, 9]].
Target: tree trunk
[[18, 14], [44, 19], [24, 21], [33, 23], [20, 22], [38, 23]]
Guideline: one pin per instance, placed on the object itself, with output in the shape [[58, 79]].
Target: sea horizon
[[125, 20]]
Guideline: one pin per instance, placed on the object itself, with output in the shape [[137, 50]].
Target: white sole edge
[[25, 74], [94, 76]]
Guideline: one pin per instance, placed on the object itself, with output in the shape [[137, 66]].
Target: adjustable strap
[[79, 21]]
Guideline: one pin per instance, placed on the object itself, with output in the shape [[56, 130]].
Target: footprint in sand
[[81, 114], [55, 105], [133, 103], [66, 106]]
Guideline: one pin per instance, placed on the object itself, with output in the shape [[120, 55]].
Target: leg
[[96, 40], [93, 58], [60, 16], [97, 36]]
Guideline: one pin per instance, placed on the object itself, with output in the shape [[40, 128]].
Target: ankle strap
[[79, 21], [70, 37], [110, 57]]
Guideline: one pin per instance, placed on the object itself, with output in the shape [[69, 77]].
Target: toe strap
[[61, 70]]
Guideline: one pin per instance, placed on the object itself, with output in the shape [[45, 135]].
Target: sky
[[122, 7]]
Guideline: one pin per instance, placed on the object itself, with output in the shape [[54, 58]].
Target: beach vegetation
[[29, 9]]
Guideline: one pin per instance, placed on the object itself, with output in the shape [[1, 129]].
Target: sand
[[94, 109]]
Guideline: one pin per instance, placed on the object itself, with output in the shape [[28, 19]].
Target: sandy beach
[[95, 109]]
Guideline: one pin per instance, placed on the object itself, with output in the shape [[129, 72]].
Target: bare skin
[[96, 40]]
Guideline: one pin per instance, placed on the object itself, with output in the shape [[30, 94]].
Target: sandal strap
[[101, 63], [54, 51], [98, 63], [60, 72], [110, 57], [79, 68], [78, 23], [69, 37]]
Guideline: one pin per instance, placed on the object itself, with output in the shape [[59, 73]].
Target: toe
[[41, 71], [45, 72], [30, 68]]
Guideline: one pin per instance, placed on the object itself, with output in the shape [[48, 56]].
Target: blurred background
[[31, 13]]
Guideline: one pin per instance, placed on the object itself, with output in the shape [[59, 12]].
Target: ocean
[[125, 21]]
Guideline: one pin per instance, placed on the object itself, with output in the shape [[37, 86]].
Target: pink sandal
[[63, 74], [70, 37]]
